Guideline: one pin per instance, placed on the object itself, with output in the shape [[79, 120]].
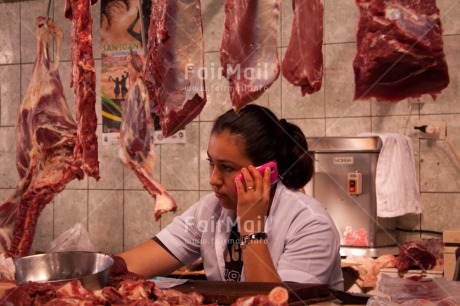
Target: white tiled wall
[[118, 213]]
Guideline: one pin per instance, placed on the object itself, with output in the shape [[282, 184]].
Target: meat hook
[[48, 12], [133, 61], [141, 18]]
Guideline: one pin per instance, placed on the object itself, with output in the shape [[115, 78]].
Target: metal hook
[[48, 12], [133, 62], [141, 17]]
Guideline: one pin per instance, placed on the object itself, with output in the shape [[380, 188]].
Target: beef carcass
[[175, 62], [400, 50], [135, 150], [303, 62], [248, 53], [83, 81], [44, 150]]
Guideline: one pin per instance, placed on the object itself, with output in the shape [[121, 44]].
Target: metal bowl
[[92, 269]]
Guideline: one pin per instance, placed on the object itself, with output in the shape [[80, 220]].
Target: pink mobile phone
[[261, 169]]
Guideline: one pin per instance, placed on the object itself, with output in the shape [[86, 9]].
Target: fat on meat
[[400, 50], [303, 61], [278, 296], [174, 72], [127, 292], [368, 268], [47, 136], [135, 149], [248, 53], [83, 81]]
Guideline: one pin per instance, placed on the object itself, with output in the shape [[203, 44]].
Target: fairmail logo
[[225, 225], [263, 71]]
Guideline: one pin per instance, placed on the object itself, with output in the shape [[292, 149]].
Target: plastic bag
[[74, 239], [428, 291], [383, 301]]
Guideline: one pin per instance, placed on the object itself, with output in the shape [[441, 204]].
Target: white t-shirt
[[302, 238]]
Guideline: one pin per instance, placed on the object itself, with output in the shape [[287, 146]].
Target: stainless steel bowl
[[92, 269]]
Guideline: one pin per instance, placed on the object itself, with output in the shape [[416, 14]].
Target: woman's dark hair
[[266, 138], [112, 7]]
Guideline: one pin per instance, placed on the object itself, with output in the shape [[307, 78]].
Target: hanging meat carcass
[[83, 81], [303, 62], [400, 50], [135, 150], [44, 149], [175, 62], [248, 52]]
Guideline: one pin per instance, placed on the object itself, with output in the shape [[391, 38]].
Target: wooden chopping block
[[228, 292]]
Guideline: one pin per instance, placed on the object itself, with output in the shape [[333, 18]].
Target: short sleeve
[[311, 253], [182, 236]]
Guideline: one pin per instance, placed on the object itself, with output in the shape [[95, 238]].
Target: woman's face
[[226, 158]]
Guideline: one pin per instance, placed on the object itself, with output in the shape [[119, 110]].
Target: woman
[[288, 236]]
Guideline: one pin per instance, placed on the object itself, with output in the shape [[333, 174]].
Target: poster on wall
[[121, 33]]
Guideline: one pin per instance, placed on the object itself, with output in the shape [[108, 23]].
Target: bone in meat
[[248, 52], [83, 81], [135, 150], [303, 62], [175, 61], [400, 51], [45, 145]]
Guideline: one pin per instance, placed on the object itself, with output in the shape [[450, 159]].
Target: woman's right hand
[[253, 201]]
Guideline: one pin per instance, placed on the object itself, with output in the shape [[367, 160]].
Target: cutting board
[[227, 292]]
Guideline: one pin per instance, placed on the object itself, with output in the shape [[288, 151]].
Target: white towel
[[396, 186]]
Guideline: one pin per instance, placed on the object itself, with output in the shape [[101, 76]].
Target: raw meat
[[400, 50], [135, 151], [119, 271], [249, 54], [83, 81], [368, 268], [355, 237], [75, 290], [175, 62], [29, 294], [113, 296], [278, 296], [174, 297], [303, 62], [133, 292], [415, 253], [44, 150], [137, 289]]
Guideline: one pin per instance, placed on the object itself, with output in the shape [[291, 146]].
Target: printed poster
[[121, 33]]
